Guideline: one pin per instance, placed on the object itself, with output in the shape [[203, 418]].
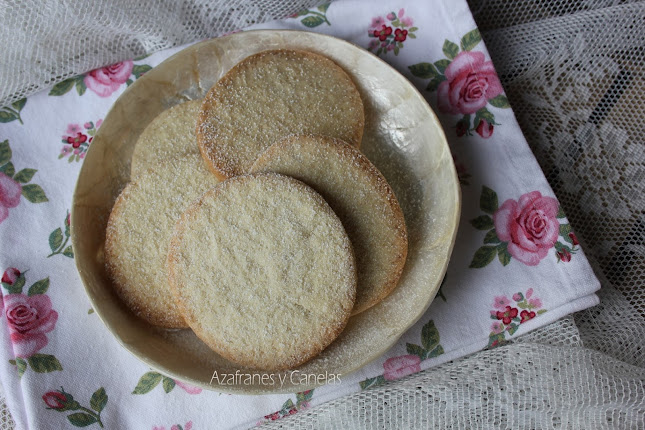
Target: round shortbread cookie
[[362, 199], [138, 235], [270, 95], [170, 135], [263, 271]]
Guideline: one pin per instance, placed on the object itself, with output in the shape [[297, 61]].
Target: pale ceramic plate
[[403, 138]]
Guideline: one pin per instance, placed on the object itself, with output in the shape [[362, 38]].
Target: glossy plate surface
[[402, 137]]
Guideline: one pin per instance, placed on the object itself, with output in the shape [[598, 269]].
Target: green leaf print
[[25, 175], [470, 40], [34, 193], [16, 287], [81, 419], [168, 384], [441, 65], [502, 253], [99, 400], [434, 83], [8, 169], [21, 364], [482, 222], [491, 237], [500, 102], [424, 70], [450, 49], [39, 287], [488, 200], [483, 256], [8, 116], [417, 350], [56, 239], [147, 382], [372, 382], [64, 402], [312, 21], [44, 363], [63, 87], [429, 336], [5, 152]]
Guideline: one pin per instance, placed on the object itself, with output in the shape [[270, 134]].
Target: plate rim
[[235, 389]]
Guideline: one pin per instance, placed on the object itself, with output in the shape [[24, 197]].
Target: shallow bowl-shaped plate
[[403, 138]]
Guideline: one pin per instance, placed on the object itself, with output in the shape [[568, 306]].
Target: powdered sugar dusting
[[139, 231], [361, 197], [264, 271], [170, 135], [271, 95]]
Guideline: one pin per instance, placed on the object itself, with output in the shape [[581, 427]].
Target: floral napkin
[[516, 265]]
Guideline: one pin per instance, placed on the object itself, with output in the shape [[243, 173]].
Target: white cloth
[[516, 265]]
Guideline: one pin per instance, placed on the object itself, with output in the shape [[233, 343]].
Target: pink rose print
[[106, 80], [525, 229], [398, 367], [501, 302], [573, 238], [466, 83], [484, 129], [470, 83], [190, 389], [55, 400], [10, 192], [15, 184], [29, 318], [564, 255], [509, 319], [390, 32], [10, 275], [529, 225], [61, 401], [103, 81], [564, 251]]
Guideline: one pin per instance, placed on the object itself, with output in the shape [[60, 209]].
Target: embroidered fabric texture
[[574, 74]]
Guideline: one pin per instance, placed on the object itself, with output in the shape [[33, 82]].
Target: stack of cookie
[[254, 219]]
